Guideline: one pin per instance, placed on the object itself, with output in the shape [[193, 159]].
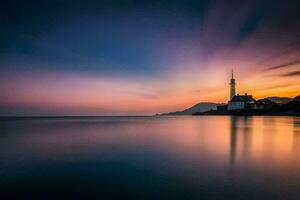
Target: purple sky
[[143, 57]]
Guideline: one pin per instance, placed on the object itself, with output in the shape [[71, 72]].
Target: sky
[[126, 57]]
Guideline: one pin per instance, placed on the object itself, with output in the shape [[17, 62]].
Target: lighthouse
[[239, 102], [232, 86]]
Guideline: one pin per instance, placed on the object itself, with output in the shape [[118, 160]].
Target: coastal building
[[222, 108], [232, 86], [264, 104], [240, 102]]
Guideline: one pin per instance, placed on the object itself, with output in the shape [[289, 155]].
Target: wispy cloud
[[285, 65], [276, 87], [294, 73]]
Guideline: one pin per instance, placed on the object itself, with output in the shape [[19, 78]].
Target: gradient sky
[[143, 57]]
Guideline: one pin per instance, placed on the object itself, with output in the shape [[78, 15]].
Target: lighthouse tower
[[232, 86]]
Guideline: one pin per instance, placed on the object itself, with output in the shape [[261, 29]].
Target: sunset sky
[[143, 57]]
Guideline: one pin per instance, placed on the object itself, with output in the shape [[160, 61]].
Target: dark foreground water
[[205, 157]]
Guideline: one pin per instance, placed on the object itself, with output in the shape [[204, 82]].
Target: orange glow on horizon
[[138, 96]]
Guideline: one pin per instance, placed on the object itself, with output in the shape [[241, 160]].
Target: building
[[238, 102], [222, 108], [241, 102], [232, 86], [264, 104]]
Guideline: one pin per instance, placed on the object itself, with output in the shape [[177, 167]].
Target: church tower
[[232, 86]]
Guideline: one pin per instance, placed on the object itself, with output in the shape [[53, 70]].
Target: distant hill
[[280, 100], [200, 107], [297, 98]]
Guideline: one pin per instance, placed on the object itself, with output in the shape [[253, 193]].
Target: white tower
[[232, 86]]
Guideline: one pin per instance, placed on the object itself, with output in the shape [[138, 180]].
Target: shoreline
[[291, 115]]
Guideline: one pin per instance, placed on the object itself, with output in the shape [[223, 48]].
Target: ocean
[[161, 157]]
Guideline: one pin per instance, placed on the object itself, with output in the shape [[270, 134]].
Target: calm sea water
[[201, 157]]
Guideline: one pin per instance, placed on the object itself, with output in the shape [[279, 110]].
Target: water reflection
[[247, 138], [240, 127], [296, 123], [264, 143], [296, 141], [247, 156], [233, 140]]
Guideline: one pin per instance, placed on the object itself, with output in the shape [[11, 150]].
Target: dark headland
[[261, 107], [281, 106], [245, 105], [199, 107]]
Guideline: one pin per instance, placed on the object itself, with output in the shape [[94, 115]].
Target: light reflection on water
[[212, 157]]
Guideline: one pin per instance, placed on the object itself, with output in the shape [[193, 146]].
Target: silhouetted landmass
[[280, 100], [200, 107], [292, 108], [297, 98]]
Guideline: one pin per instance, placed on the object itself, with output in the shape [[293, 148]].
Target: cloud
[[291, 48], [276, 87], [284, 65], [294, 73], [144, 95]]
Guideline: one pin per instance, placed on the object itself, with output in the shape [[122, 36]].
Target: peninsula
[[246, 105]]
